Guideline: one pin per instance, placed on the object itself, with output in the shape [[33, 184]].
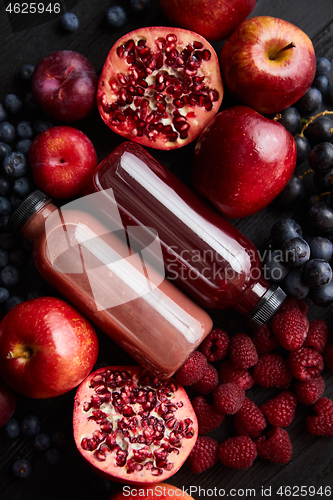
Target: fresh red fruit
[[242, 161], [305, 363], [290, 328], [192, 370], [320, 422], [208, 382], [272, 371], [208, 417], [243, 353], [228, 373], [228, 398], [64, 85], [291, 303], [249, 420], [62, 159], [213, 20], [268, 63], [132, 426], [8, 400], [309, 391], [238, 452], [204, 454], [264, 340], [328, 356], [159, 491], [160, 86], [317, 335], [280, 410], [216, 345], [46, 347], [275, 446]]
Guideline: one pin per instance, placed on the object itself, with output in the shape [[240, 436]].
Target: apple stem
[[323, 113], [286, 47], [27, 353]]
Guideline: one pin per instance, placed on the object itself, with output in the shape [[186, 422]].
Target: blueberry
[[320, 219], [40, 125], [21, 186], [284, 229], [5, 149], [4, 295], [69, 22], [5, 208], [296, 251], [3, 113], [294, 285], [116, 16], [293, 193], [4, 186], [13, 301], [139, 6], [274, 268], [13, 104], [59, 438], [317, 273], [53, 456], [4, 222], [323, 66], [302, 147], [12, 428], [321, 248], [21, 468], [9, 275], [7, 132], [320, 130], [291, 119], [15, 164], [24, 130], [323, 296], [310, 101], [42, 441], [321, 83], [4, 258], [26, 72], [321, 157], [30, 425], [23, 146]]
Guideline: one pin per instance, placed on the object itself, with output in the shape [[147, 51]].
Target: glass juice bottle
[[83, 251], [205, 254]]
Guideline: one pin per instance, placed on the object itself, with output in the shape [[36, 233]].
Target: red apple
[[242, 161], [8, 400], [62, 159], [46, 347], [213, 19], [64, 85], [268, 63]]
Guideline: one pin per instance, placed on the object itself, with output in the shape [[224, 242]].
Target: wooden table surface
[[312, 460]]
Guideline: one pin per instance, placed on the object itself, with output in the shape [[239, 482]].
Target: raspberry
[[275, 446], [309, 391], [192, 370], [264, 340], [321, 424], [305, 363], [238, 452], [272, 371], [249, 420], [328, 356], [216, 345], [208, 382], [228, 398], [317, 335], [290, 328], [243, 353], [280, 410], [208, 417], [291, 303], [228, 373], [204, 454]]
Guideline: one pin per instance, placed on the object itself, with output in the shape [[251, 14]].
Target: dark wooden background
[[312, 461]]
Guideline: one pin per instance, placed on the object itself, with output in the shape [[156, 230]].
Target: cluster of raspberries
[[289, 354]]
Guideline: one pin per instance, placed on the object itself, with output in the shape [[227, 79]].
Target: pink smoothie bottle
[[203, 253], [83, 251]]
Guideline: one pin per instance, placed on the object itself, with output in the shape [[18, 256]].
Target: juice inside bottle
[[203, 253], [91, 264]]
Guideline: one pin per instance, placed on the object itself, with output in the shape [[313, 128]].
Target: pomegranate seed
[[197, 45], [100, 456], [206, 55], [171, 38], [160, 43]]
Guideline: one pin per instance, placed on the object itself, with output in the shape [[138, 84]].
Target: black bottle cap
[[30, 205], [266, 307]]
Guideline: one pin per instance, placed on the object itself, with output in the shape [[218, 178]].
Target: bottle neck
[[35, 225]]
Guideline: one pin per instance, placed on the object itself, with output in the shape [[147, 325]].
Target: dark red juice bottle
[[203, 253]]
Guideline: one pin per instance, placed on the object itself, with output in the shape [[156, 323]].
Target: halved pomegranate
[[133, 426], [160, 86]]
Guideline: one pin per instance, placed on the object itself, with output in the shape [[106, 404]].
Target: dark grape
[[294, 192], [321, 83], [320, 130], [310, 101], [323, 180], [320, 248], [274, 268], [323, 296], [294, 285], [303, 148], [317, 273], [321, 157], [320, 219], [291, 119], [285, 229], [296, 251]]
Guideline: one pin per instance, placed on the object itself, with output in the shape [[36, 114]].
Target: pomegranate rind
[[159, 491], [165, 107], [146, 445]]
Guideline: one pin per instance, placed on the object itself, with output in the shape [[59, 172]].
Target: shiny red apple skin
[[242, 161], [46, 347], [8, 401], [64, 84], [213, 19], [62, 160], [267, 85]]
